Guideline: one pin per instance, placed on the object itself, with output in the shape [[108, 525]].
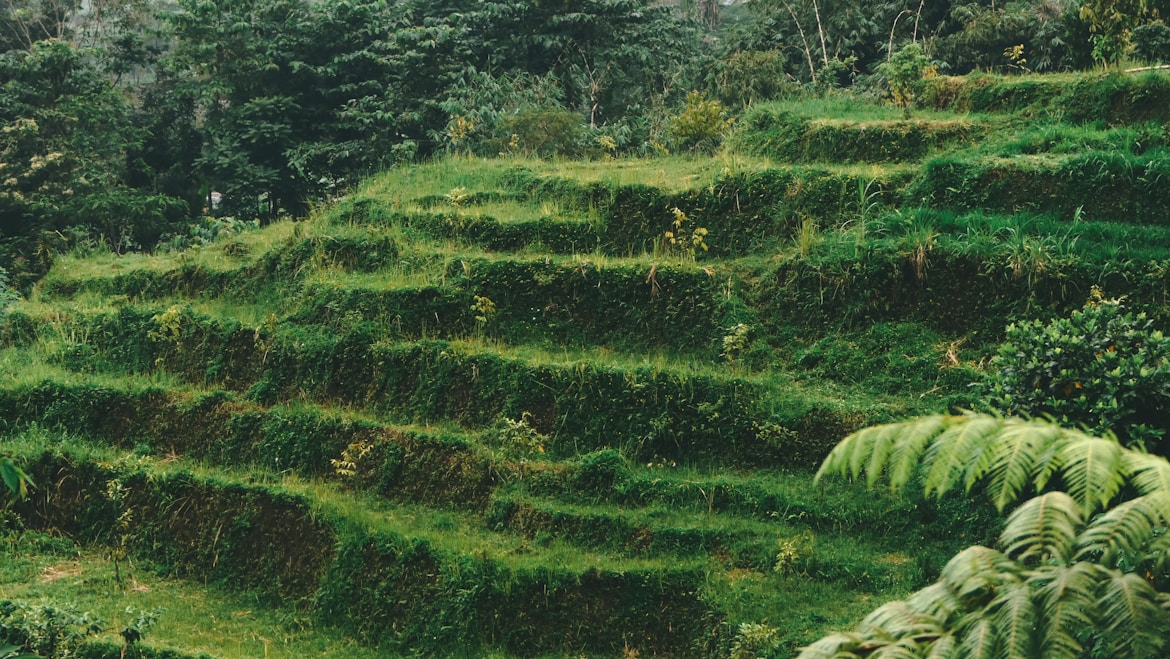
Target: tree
[[1111, 22], [978, 34], [65, 135], [1074, 571], [904, 72]]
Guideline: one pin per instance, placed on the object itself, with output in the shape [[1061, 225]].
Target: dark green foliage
[[747, 77], [887, 358], [1151, 42], [600, 473], [95, 650], [255, 539], [475, 602], [66, 132], [402, 593], [1102, 368], [1052, 36]]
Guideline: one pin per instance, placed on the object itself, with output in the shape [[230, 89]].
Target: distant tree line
[[119, 118]]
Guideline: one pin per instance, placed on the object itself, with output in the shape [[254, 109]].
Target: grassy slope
[[479, 437]]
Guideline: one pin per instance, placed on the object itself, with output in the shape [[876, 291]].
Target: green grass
[[40, 568], [845, 301]]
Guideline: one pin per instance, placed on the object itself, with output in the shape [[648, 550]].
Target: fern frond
[[1015, 458], [942, 648], [1093, 471], [1149, 473], [896, 620], [903, 648], [975, 574], [1043, 528], [936, 600], [960, 452], [1132, 616], [1015, 619], [1066, 594], [977, 638], [831, 647], [869, 448], [907, 452], [1126, 529]]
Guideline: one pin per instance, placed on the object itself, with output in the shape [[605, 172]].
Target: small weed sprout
[[350, 462], [518, 437], [735, 341], [683, 241], [168, 326], [457, 196], [808, 238], [116, 494], [754, 639], [140, 623], [484, 309], [1015, 57], [608, 146], [791, 551], [774, 435], [168, 330], [702, 125], [459, 129]]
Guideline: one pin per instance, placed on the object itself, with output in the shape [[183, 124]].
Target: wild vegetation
[[498, 329]]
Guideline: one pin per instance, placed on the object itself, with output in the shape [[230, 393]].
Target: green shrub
[[44, 629], [1151, 42], [904, 72], [1101, 368], [546, 132], [701, 125], [745, 77]]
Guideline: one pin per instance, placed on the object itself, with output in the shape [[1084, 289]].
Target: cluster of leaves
[[43, 630], [1151, 42], [701, 125], [1102, 368], [15, 481], [904, 71], [1064, 581]]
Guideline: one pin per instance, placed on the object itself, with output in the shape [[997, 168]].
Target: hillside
[[543, 408]]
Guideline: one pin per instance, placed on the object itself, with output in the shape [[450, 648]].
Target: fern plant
[[1075, 573]]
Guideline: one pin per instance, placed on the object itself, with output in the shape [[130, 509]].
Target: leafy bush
[[1101, 368], [749, 76], [701, 125], [546, 132], [904, 72], [1151, 42], [45, 629]]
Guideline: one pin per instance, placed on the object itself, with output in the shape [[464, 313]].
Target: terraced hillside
[[536, 408]]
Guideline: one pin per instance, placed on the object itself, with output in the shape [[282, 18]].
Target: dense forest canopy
[[119, 117]]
